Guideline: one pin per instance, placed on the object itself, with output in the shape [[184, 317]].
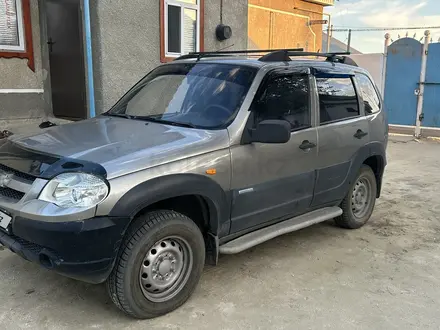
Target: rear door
[[274, 181], [343, 130]]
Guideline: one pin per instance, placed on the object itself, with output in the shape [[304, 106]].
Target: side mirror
[[272, 131]]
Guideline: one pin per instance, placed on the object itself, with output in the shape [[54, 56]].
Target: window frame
[[21, 35], [165, 55], [277, 74], [379, 97], [25, 35], [358, 99]]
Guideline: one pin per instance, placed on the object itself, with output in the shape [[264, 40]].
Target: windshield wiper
[[122, 115], [166, 122], [152, 119]]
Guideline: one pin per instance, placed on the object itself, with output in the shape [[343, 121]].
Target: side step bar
[[262, 235]]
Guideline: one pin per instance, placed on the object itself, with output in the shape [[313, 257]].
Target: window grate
[[11, 193], [19, 174]]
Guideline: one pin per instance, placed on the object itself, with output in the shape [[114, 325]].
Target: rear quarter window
[[369, 94]]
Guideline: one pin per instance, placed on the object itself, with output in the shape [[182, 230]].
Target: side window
[[287, 98], [369, 94], [337, 99]]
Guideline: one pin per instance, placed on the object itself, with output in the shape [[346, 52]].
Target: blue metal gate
[[431, 100], [404, 63]]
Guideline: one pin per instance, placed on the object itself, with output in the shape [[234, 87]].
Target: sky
[[383, 13]]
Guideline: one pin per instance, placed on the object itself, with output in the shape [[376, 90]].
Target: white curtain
[[189, 31]]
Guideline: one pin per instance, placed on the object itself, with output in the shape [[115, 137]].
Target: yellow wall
[[276, 24]]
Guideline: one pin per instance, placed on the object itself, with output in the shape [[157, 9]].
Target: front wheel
[[359, 202], [159, 265]]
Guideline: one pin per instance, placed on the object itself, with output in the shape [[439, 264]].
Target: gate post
[[384, 65], [421, 89]]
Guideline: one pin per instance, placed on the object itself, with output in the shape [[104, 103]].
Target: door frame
[[88, 59]]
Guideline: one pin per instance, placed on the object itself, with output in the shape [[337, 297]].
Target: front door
[[274, 181], [343, 131], [66, 57]]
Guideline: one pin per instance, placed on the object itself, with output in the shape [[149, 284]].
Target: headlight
[[75, 190]]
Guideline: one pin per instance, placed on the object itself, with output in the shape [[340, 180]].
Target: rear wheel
[[359, 202], [159, 265]]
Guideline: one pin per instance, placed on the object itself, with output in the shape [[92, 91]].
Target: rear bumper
[[83, 250]]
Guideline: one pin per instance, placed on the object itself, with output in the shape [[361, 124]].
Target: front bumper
[[84, 250]]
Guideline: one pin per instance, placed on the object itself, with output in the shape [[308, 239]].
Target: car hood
[[122, 145]]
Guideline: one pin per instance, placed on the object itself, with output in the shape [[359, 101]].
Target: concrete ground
[[383, 276]]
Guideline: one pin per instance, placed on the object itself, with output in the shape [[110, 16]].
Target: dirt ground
[[383, 276]]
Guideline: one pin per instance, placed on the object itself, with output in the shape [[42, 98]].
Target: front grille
[[19, 174], [11, 193]]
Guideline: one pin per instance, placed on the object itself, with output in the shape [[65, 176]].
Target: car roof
[[295, 63]]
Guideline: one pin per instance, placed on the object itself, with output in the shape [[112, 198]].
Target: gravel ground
[[383, 276]]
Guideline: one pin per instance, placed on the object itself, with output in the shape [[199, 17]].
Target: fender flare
[[367, 151], [161, 188]]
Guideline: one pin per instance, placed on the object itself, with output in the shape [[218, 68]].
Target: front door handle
[[360, 134], [307, 145]]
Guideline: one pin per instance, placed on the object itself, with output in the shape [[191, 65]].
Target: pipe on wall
[[89, 59], [421, 90]]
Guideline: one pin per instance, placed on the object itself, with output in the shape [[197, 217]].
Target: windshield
[[198, 95]]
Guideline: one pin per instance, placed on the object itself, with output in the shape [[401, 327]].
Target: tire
[[354, 215], [161, 249]]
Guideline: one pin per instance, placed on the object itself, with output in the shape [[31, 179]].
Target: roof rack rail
[[199, 55], [285, 56]]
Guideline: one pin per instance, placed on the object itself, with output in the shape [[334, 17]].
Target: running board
[[262, 235]]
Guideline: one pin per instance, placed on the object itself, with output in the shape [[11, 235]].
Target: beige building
[[286, 23]]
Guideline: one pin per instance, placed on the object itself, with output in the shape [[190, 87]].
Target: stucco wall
[[235, 14], [126, 41], [125, 46], [15, 74]]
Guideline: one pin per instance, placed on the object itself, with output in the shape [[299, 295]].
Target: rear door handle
[[307, 145], [360, 134]]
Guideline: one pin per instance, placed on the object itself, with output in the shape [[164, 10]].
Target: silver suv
[[210, 154]]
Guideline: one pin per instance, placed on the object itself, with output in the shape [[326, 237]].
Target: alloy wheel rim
[[165, 269]]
